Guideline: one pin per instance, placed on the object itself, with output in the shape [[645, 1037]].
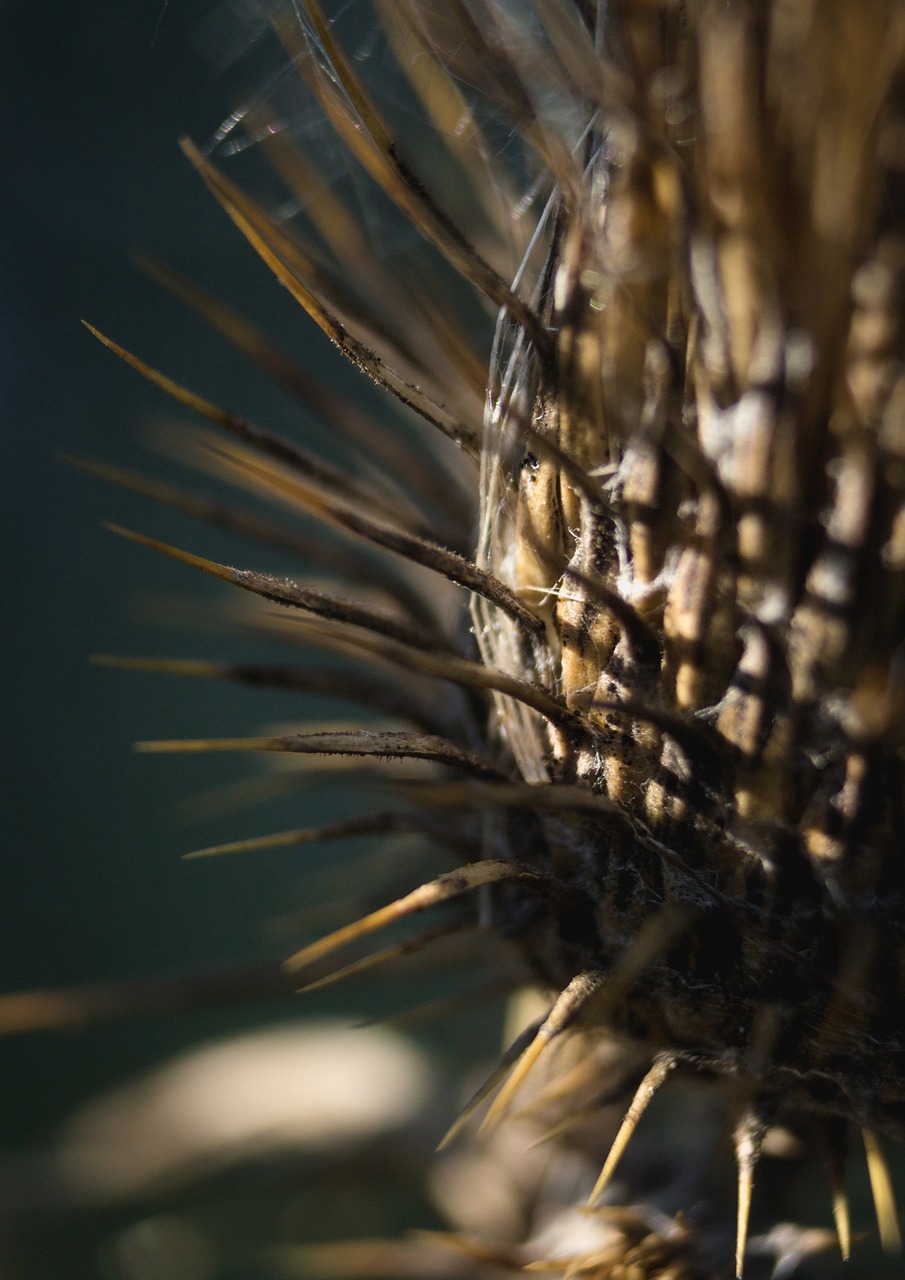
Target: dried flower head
[[664, 740]]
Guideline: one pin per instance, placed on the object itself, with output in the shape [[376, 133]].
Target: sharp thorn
[[883, 1194], [660, 1069], [748, 1139]]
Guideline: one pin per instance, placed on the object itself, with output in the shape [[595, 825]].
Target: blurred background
[[97, 95], [92, 889]]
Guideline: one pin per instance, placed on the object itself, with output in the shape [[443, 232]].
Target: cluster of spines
[[670, 630]]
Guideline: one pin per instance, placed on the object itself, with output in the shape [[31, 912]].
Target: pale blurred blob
[[293, 1088]]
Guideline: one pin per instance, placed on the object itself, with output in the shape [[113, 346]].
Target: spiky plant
[[677, 744]]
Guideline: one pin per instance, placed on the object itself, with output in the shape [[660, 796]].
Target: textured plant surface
[[655, 724]]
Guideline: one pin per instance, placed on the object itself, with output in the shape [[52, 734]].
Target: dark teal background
[[92, 889], [95, 96]]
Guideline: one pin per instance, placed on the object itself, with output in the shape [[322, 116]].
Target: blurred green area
[[95, 95]]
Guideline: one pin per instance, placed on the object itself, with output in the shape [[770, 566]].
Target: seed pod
[[681, 746]]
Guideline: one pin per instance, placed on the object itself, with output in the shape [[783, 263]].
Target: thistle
[[666, 725]]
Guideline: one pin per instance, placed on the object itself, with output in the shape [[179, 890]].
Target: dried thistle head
[[673, 769]]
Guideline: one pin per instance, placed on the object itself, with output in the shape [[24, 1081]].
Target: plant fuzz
[[673, 716]]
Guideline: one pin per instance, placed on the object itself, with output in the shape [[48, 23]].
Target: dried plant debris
[[679, 725]]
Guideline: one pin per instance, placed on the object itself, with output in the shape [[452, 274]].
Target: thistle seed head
[[665, 743]]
